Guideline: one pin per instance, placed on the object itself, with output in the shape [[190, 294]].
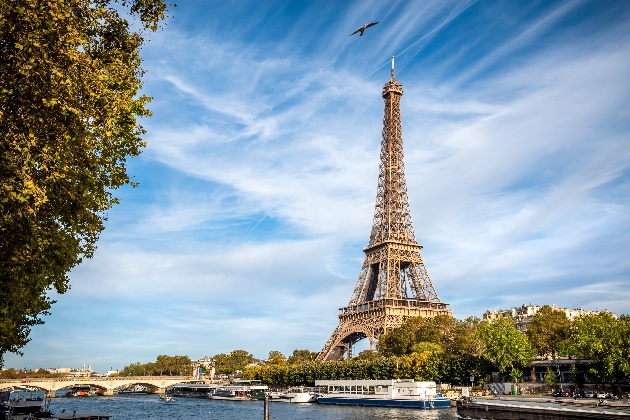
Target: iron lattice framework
[[393, 284]]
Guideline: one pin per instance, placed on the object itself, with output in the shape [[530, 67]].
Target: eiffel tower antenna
[[393, 67], [393, 284]]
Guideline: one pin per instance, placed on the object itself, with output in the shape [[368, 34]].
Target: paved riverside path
[[154, 384], [532, 408]]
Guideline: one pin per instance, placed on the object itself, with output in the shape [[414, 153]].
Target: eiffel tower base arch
[[371, 320]]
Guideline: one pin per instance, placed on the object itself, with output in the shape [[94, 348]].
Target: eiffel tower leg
[[339, 345]]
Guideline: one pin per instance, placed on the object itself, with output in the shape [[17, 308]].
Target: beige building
[[525, 313]]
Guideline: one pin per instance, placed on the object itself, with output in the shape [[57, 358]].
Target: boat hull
[[298, 398], [378, 402], [218, 397]]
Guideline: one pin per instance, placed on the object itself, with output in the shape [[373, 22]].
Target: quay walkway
[[537, 409], [108, 385]]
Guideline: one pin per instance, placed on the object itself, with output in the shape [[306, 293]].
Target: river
[[149, 407]]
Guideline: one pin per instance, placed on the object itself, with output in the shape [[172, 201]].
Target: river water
[[149, 407]]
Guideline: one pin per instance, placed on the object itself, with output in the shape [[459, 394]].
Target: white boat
[[383, 393], [232, 393], [191, 390], [299, 394], [166, 398], [243, 390], [275, 395]]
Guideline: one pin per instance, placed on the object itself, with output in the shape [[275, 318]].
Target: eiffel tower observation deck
[[393, 284]]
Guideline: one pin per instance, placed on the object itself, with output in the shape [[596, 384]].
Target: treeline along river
[[149, 407]]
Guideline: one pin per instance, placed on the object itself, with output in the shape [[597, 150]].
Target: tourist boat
[[136, 390], [166, 398], [242, 390], [191, 390], [299, 394], [232, 393], [383, 393], [19, 407]]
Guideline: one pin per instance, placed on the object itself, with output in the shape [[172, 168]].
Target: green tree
[[367, 355], [226, 364], [438, 330], [549, 332], [164, 365], [607, 340], [424, 346], [463, 338], [276, 358], [301, 356], [576, 377], [398, 342], [505, 345], [551, 380], [70, 74]]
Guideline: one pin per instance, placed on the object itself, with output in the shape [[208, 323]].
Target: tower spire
[[393, 284], [393, 78]]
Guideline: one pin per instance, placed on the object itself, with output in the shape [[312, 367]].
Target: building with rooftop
[[525, 313]]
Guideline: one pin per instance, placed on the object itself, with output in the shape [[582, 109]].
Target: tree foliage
[[453, 336], [301, 356], [225, 364], [276, 358], [549, 332], [70, 74], [551, 380], [505, 345], [19, 374], [163, 365], [605, 339]]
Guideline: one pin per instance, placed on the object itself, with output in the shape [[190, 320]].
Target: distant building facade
[[525, 313], [207, 363]]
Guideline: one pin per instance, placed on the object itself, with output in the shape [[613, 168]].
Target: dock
[[495, 409]]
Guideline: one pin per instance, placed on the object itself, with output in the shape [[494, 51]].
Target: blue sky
[[516, 120]]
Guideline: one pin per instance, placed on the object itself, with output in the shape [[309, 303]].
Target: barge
[[405, 393]]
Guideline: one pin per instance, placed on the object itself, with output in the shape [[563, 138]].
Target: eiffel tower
[[393, 284]]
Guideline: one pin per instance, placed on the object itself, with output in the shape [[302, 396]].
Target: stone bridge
[[154, 384]]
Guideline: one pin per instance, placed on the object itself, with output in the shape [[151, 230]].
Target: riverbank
[[541, 408]]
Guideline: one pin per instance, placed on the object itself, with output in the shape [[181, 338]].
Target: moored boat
[[383, 393], [19, 406], [231, 393], [242, 390], [136, 390], [299, 394], [189, 390]]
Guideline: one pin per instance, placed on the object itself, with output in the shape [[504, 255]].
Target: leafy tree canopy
[[424, 346], [164, 365], [301, 356], [225, 364], [70, 74], [549, 332], [453, 336], [505, 345], [607, 340], [276, 358]]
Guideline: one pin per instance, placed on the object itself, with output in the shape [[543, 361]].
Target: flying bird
[[363, 28]]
